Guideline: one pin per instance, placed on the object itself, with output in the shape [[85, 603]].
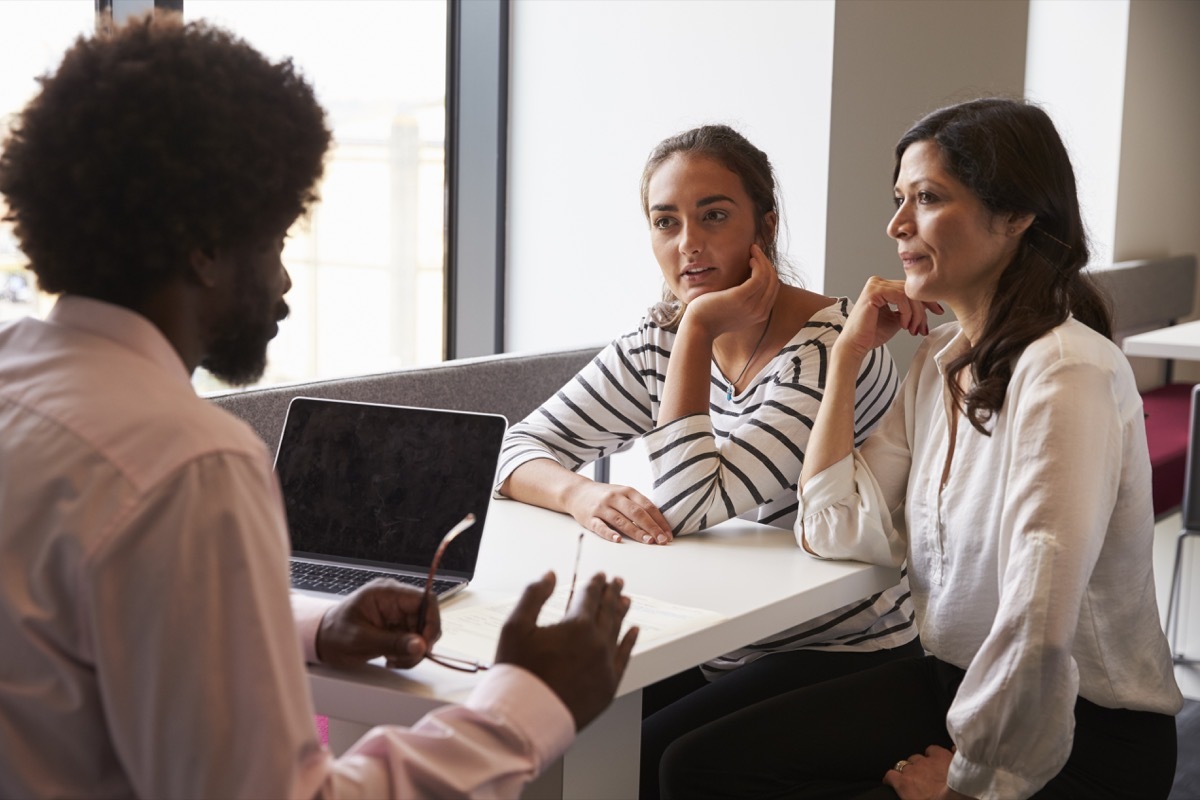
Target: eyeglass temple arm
[[423, 608]]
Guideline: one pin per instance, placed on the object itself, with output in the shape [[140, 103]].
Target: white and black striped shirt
[[743, 458]]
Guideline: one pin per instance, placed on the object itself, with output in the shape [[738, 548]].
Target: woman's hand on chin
[[746, 305], [881, 311]]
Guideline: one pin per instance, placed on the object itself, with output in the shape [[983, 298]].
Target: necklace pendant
[[729, 384]]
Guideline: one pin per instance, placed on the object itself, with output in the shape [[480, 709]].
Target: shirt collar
[[127, 328], [958, 345]]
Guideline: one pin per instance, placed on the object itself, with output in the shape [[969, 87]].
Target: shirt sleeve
[[602, 410], [205, 688], [848, 510], [308, 611], [1068, 437], [507, 732], [701, 479]]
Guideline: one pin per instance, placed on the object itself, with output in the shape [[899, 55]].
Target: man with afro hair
[[150, 647]]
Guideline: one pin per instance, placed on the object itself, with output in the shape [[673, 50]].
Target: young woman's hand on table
[[612, 511]]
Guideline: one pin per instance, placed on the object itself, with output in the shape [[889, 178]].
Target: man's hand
[[578, 658], [379, 619]]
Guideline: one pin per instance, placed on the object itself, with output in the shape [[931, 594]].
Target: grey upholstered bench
[[508, 384]]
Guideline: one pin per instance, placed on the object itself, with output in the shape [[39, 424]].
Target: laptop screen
[[380, 485]]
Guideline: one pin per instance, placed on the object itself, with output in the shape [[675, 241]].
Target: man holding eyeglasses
[[150, 649]]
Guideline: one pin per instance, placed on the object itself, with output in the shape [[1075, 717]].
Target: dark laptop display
[[377, 486]]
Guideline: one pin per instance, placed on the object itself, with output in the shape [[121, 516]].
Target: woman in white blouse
[[1012, 474]]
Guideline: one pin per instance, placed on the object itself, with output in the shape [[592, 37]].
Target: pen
[[575, 573]]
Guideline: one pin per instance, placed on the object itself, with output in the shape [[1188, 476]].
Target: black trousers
[[837, 739], [684, 702]]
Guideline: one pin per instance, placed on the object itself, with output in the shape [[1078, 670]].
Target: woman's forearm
[[607, 510], [689, 375], [832, 437], [880, 312], [543, 482]]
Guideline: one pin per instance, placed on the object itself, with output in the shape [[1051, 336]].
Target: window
[[368, 263], [44, 35]]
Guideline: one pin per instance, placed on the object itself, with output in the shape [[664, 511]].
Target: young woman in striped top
[[722, 380]]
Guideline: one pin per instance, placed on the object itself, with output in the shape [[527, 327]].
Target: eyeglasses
[[460, 664]]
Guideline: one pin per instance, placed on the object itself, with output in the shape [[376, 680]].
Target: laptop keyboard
[[333, 579]]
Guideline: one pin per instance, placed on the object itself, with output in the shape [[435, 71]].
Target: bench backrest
[[1149, 292], [508, 384]]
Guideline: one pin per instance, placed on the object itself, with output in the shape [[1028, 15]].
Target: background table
[[1175, 342], [753, 575]]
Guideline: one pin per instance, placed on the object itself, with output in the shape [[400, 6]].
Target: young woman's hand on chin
[[741, 306], [881, 311]]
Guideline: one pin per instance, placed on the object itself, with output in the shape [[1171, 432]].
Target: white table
[[1175, 341], [755, 576]]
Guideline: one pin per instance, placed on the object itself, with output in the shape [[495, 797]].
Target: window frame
[[476, 176], [476, 158]]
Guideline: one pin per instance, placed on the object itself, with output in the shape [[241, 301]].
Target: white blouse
[[1030, 565]]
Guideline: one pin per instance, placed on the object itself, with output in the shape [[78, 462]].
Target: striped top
[[741, 459]]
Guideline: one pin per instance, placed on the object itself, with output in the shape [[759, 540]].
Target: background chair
[[1191, 527], [1147, 294]]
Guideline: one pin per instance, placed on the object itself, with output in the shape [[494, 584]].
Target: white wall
[[1158, 195], [894, 62], [1158, 200], [594, 86], [1075, 70]]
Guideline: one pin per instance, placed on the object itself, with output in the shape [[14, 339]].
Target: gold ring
[[900, 765]]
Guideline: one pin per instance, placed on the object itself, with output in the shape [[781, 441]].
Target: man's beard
[[238, 352], [237, 359]]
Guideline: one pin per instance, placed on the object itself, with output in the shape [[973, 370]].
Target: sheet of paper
[[472, 632]]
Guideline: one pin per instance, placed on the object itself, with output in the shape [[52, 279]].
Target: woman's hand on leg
[[923, 777]]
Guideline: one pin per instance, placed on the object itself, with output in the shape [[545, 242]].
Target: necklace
[[729, 384]]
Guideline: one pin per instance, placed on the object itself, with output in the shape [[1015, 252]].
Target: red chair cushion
[[1168, 410]]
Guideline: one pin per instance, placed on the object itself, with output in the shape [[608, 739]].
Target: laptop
[[371, 489]]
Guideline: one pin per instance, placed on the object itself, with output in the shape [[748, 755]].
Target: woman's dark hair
[[1009, 154], [733, 151], [148, 144]]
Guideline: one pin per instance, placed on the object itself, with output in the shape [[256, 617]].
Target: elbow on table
[[872, 547]]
